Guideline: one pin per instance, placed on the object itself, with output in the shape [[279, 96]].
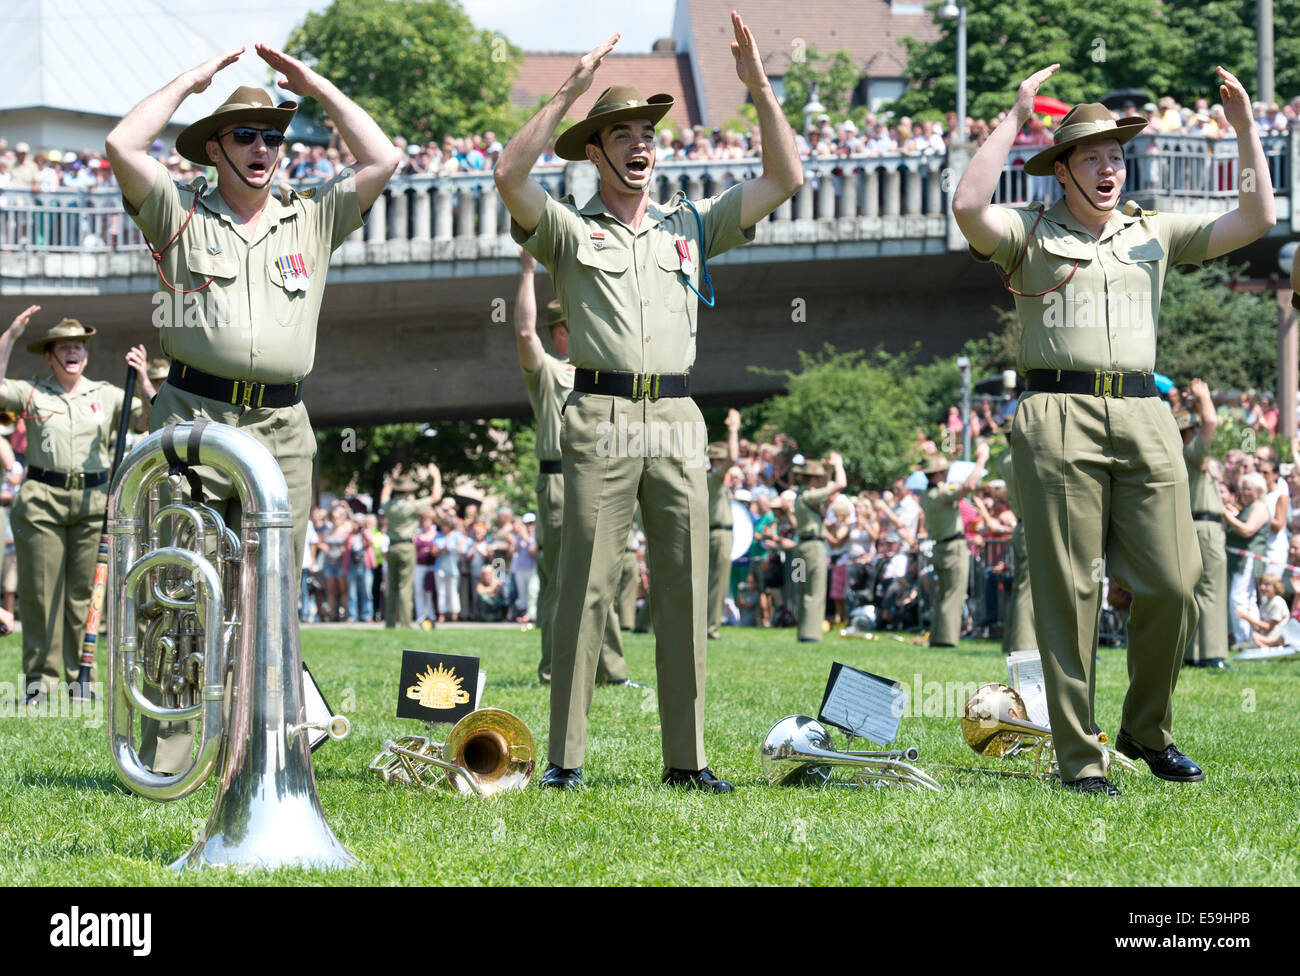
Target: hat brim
[[571, 144], [1043, 163], [193, 140], [39, 347]]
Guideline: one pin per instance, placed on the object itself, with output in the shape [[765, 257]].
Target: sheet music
[[1025, 674], [865, 705], [315, 709], [478, 691]]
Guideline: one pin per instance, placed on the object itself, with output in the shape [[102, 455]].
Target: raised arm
[[377, 158], [975, 217], [127, 146], [524, 197], [529, 345], [782, 171], [1205, 410], [7, 340], [733, 435], [1256, 210], [839, 482]]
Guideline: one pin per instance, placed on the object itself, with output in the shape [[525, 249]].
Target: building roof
[[870, 30], [103, 57], [543, 72]]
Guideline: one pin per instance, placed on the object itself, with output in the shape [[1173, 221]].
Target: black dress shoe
[[809, 640], [697, 779], [1099, 785], [561, 779], [1167, 763]]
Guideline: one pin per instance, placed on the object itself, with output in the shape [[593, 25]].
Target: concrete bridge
[[417, 320]]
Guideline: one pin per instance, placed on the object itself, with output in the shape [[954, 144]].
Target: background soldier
[[722, 455], [549, 380], [1208, 647], [1018, 633], [640, 264], [951, 555], [810, 554], [404, 513]]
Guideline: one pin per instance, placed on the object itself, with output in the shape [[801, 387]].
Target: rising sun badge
[[438, 689]]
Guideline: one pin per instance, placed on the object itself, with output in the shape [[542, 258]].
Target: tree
[[419, 67], [835, 75], [1102, 44], [1222, 32]]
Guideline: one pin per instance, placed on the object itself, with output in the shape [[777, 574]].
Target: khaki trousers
[[1210, 639], [1018, 634], [808, 571], [550, 521], [1103, 487], [952, 573], [399, 600], [56, 542], [719, 577], [604, 477]]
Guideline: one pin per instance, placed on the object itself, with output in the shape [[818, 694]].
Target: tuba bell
[[205, 628], [487, 752], [798, 750]]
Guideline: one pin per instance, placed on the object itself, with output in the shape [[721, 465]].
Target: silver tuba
[[799, 750], [215, 608]]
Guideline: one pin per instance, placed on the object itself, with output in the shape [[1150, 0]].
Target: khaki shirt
[[942, 516], [404, 517], [719, 498], [1106, 316], [1203, 488], [247, 324], [68, 431], [808, 519], [549, 386], [625, 299]]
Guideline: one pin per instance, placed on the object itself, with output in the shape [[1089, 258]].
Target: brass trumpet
[[995, 722], [798, 749], [489, 751]]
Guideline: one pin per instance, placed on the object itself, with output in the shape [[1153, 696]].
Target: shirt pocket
[[211, 276], [605, 284], [676, 290], [1064, 262], [285, 306], [1135, 306]]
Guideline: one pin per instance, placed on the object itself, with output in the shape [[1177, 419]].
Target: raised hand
[[202, 76], [733, 419], [137, 357], [20, 322], [1236, 103], [1024, 106], [297, 77], [749, 65], [587, 65]]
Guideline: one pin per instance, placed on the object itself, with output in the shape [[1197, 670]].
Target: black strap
[[650, 386], [1206, 517], [67, 479], [174, 463], [550, 467], [727, 527], [952, 538], [1102, 383]]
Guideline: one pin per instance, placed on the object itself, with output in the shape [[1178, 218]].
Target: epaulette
[[1131, 209], [1036, 205], [199, 185], [287, 193]]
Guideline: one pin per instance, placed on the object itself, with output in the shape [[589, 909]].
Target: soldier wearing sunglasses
[[242, 267]]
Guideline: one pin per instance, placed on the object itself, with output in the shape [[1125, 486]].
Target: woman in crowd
[[1245, 528], [426, 556]]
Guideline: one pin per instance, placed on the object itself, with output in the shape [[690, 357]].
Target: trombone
[[489, 751], [799, 750]]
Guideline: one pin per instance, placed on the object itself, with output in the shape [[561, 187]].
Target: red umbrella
[[1049, 106]]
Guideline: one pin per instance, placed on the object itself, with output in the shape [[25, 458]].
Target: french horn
[[204, 628], [798, 750], [487, 752]]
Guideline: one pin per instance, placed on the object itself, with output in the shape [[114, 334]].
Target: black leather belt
[[650, 386], [810, 538], [1096, 383], [952, 538], [239, 392], [550, 467], [727, 527], [1206, 517], [67, 479]]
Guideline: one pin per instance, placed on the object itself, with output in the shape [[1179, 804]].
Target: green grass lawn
[[65, 820]]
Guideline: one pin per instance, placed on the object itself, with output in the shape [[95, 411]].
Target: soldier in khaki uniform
[[625, 271], [404, 513], [1018, 632], [1099, 472], [549, 380], [722, 455], [1208, 647], [629, 580], [253, 261], [59, 513], [951, 555], [809, 555]]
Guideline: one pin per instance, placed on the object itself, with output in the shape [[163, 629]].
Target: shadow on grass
[[75, 781]]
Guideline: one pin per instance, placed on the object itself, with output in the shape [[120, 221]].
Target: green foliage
[[1100, 45], [866, 407], [1222, 32], [835, 75], [418, 67], [1232, 434]]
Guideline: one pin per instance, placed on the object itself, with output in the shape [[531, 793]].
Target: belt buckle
[[650, 386], [636, 387], [74, 480], [1107, 384], [247, 399]]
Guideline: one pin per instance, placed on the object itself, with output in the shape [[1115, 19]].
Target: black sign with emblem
[[437, 687]]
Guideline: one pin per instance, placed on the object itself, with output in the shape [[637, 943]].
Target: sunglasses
[[246, 136]]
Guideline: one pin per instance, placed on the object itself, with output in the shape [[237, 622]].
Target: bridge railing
[[461, 216]]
